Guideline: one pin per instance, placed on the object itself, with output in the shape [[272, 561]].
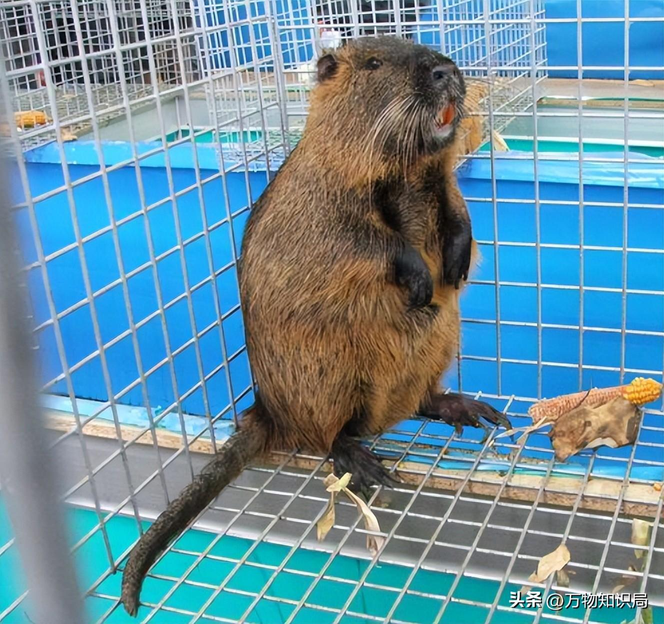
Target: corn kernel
[[642, 391]]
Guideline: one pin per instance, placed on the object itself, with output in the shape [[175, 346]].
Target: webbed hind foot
[[460, 411], [350, 455]]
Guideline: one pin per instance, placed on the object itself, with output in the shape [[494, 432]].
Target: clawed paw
[[459, 411], [349, 455], [457, 252]]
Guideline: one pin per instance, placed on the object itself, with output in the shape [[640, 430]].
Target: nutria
[[351, 266]]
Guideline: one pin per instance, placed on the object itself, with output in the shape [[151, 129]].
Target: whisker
[[418, 114], [391, 110]]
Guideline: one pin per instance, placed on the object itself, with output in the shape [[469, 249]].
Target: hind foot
[[459, 411], [349, 455]]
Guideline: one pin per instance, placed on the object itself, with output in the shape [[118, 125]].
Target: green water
[[92, 563], [526, 145], [210, 136]]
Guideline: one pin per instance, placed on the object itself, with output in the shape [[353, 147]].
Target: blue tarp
[[603, 44]]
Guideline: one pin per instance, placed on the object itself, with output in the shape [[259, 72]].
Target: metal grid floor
[[449, 554]]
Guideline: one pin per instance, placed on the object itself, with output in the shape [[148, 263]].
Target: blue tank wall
[[604, 43], [516, 268], [560, 225], [67, 285]]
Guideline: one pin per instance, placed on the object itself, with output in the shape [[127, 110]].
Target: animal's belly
[[403, 377], [319, 366]]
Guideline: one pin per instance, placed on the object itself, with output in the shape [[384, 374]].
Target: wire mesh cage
[[104, 36], [140, 134], [499, 44]]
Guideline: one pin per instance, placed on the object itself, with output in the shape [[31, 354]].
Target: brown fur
[[336, 347], [341, 338]]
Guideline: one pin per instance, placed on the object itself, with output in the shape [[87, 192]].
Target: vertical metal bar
[[237, 89], [222, 165], [396, 7], [568, 529], [441, 25], [519, 544], [259, 87], [206, 236], [478, 535], [623, 326], [279, 66], [582, 211], [614, 521], [494, 191], [154, 77], [356, 18], [30, 479], [538, 232], [638, 616]]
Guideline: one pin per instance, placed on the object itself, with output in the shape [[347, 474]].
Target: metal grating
[[109, 38], [499, 45], [448, 531]]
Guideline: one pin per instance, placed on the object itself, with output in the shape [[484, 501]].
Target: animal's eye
[[373, 63]]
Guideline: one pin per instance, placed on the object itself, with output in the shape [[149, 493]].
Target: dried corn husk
[[550, 564], [614, 424], [326, 522], [641, 531], [638, 392], [333, 486]]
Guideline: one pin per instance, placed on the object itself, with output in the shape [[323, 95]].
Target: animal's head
[[399, 100]]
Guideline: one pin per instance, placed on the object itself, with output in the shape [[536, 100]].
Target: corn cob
[[30, 119], [638, 392]]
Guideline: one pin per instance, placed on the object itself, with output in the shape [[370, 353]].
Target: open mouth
[[445, 119]]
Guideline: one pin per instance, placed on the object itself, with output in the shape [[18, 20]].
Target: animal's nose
[[440, 72]]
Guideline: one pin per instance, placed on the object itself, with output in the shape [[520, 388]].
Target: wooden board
[[599, 494]]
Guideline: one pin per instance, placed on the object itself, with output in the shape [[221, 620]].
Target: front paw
[[413, 274], [457, 249], [420, 289]]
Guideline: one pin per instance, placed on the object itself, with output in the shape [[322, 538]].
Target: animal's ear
[[327, 67]]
